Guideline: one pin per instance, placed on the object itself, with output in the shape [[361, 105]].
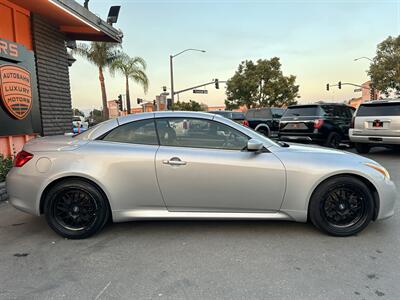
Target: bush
[[5, 166]]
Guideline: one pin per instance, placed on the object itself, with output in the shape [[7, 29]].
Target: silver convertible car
[[184, 165]]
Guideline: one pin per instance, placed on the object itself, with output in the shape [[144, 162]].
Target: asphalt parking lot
[[202, 259]]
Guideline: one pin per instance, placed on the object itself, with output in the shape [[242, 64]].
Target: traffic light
[[164, 88], [327, 86], [372, 93], [339, 85], [216, 82], [119, 101], [139, 100]]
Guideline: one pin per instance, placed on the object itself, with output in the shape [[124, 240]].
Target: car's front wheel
[[76, 209], [341, 206]]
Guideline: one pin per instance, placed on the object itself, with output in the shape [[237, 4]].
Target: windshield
[[379, 109]]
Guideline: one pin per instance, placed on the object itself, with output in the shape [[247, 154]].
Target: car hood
[[54, 143], [320, 153]]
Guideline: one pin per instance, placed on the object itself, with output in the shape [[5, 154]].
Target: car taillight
[[352, 122], [245, 123], [318, 123], [22, 158]]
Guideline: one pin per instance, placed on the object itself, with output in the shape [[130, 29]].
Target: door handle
[[175, 161]]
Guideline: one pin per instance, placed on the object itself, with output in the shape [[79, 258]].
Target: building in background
[[366, 95], [35, 96], [113, 109]]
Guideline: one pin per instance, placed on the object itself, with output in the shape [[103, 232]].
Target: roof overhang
[[71, 18]]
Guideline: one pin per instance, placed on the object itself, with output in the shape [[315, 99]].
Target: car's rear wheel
[[341, 206], [264, 131], [76, 209], [333, 140], [362, 148]]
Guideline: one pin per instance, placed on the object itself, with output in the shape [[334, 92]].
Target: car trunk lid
[[54, 143]]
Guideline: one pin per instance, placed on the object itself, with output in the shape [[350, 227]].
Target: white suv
[[376, 123]]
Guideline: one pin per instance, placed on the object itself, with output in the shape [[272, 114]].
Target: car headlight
[[380, 169]]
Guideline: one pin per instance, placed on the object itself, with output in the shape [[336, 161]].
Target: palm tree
[[133, 68], [101, 54]]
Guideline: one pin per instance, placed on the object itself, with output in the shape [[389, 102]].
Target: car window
[[237, 116], [199, 133], [302, 111], [277, 112], [335, 111], [369, 110], [262, 114], [250, 114], [138, 132]]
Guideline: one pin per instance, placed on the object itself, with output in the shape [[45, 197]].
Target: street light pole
[[171, 67], [363, 57], [172, 79]]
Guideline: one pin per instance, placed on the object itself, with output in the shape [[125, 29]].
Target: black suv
[[326, 124], [265, 120]]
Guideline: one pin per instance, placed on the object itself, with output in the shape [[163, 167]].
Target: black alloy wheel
[[76, 209], [341, 206]]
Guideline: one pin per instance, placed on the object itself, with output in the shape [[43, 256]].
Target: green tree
[[5, 166], [132, 68], [77, 112], [101, 54], [95, 117], [189, 106], [385, 68], [261, 84]]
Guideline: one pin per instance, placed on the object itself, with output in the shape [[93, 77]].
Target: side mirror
[[254, 145]]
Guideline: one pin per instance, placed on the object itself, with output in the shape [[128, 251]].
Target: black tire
[[333, 140], [345, 214], [362, 148], [76, 209], [264, 131]]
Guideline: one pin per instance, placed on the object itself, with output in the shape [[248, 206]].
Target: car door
[[128, 152], [201, 166]]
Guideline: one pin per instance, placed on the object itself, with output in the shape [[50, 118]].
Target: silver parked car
[[376, 123], [184, 165]]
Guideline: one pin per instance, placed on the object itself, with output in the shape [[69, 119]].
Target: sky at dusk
[[317, 41]]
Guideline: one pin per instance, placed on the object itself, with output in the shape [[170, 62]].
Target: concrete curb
[[3, 192]]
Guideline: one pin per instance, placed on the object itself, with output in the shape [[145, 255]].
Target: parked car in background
[[376, 123], [79, 122], [191, 165], [325, 124], [236, 116], [265, 120]]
